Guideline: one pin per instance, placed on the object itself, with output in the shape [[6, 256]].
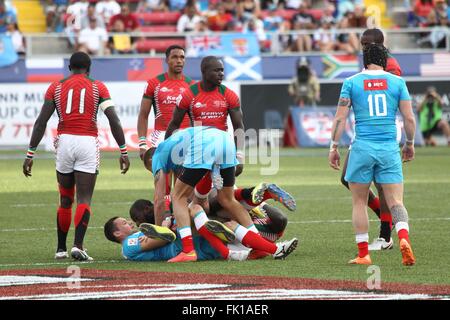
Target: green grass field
[[322, 221]]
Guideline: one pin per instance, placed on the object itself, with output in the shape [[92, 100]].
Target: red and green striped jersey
[[209, 108], [164, 93], [77, 99]]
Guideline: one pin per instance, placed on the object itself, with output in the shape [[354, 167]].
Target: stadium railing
[[153, 43]]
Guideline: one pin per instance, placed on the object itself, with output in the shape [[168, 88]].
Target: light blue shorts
[[377, 162]]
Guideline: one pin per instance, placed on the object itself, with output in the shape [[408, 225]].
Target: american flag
[[438, 68]]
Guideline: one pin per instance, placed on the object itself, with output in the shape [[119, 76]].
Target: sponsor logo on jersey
[[375, 84], [220, 104], [165, 89], [199, 105], [171, 99], [133, 242]]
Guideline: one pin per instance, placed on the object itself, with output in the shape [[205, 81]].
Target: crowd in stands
[[9, 27], [104, 26]]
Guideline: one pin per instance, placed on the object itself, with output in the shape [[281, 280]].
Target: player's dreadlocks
[[375, 54]]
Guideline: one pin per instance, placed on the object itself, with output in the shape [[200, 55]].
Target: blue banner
[[231, 44], [8, 54]]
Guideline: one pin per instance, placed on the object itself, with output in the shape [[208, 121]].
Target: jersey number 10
[[379, 112], [69, 101]]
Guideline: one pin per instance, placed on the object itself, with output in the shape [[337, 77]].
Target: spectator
[[272, 22], [230, 6], [177, 5], [292, 4], [152, 6], [438, 13], [93, 39], [305, 87], [303, 21], [129, 19], [17, 38], [7, 17], [120, 42], [430, 117], [75, 13], [221, 20], [257, 26], [54, 13], [345, 42], [325, 38], [202, 27], [92, 14], [248, 9], [357, 20], [421, 11], [188, 21], [106, 9]]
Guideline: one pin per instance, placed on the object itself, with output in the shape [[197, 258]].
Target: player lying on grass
[[270, 221], [156, 243], [192, 153]]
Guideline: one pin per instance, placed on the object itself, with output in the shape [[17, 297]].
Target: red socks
[[386, 217], [363, 249], [215, 242], [403, 234], [253, 240], [64, 218]]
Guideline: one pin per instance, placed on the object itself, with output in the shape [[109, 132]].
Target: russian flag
[[44, 70]]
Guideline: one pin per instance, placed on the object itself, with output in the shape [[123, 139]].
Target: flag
[[438, 68], [144, 69], [229, 44], [243, 68], [8, 54], [340, 66], [44, 70]]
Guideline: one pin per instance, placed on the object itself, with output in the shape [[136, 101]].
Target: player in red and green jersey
[[163, 92], [76, 100], [208, 103]]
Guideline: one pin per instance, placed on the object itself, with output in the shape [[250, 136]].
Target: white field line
[[69, 262], [291, 222]]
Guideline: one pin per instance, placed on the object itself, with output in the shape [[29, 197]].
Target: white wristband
[[410, 141], [334, 145]]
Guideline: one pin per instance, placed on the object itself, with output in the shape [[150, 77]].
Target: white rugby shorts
[[77, 153]]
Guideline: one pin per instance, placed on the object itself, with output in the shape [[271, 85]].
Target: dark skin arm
[[38, 132], [237, 120], [175, 123], [117, 131]]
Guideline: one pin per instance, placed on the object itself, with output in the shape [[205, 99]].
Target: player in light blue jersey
[[375, 96], [190, 154]]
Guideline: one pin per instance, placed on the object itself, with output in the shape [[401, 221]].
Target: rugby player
[[76, 100], [375, 96]]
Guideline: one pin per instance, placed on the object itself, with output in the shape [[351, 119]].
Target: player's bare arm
[[409, 121], [117, 131], [38, 132], [159, 201], [177, 118], [142, 123], [237, 119], [148, 244], [340, 118]]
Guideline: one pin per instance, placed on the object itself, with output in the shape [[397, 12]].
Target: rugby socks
[[200, 219], [203, 187], [374, 204], [386, 226], [402, 230], [186, 239], [82, 216], [254, 240], [63, 220], [362, 241], [64, 217], [244, 195]]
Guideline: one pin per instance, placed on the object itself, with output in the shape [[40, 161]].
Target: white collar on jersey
[[374, 72]]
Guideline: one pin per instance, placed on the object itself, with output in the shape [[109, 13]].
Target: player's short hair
[[173, 47], [373, 35], [375, 54], [79, 61], [138, 211], [206, 61], [109, 229]]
